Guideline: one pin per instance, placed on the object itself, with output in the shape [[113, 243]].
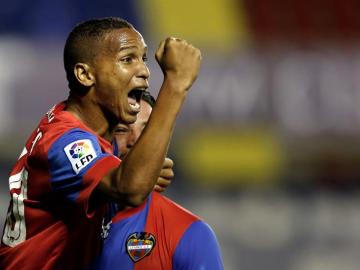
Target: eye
[[120, 131], [126, 59], [144, 58]]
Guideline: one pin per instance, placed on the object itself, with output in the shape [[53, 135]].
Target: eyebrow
[[131, 47]]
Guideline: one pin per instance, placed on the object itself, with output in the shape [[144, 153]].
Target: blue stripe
[[114, 255], [53, 18], [116, 148], [64, 181], [198, 249]]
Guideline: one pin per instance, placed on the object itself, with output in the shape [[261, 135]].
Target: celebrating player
[[67, 172], [159, 234]]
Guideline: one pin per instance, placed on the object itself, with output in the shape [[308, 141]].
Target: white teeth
[[135, 106]]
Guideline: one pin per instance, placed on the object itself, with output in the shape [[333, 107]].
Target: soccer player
[[67, 173], [159, 234]]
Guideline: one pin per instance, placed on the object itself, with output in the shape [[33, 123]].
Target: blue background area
[[41, 18]]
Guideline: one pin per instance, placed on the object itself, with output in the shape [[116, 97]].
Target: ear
[[83, 74]]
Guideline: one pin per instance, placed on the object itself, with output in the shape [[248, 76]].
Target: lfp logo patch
[[139, 245], [80, 153]]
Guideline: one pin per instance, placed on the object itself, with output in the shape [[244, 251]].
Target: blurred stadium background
[[266, 148]]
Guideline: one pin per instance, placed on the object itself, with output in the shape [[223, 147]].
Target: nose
[[133, 137], [144, 71], [131, 140]]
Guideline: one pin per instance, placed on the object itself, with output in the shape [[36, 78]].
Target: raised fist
[[179, 61]]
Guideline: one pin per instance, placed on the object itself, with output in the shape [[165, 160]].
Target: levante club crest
[[139, 245]]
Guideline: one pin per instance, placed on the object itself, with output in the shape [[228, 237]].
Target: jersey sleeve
[[77, 165], [197, 249]]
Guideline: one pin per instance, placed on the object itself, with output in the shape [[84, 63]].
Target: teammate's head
[[105, 60], [127, 135]]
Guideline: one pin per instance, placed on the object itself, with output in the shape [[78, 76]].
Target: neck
[[90, 114]]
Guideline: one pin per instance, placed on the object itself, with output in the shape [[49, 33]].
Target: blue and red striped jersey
[[161, 235], [50, 224]]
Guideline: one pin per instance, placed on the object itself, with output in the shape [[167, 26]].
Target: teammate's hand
[[166, 176], [179, 61]]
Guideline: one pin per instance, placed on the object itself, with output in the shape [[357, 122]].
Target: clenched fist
[[166, 176], [179, 61]]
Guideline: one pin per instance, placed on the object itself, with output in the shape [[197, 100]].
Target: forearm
[[139, 171]]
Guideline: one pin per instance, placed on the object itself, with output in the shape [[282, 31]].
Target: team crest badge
[[139, 245]]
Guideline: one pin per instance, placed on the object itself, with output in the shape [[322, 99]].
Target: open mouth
[[134, 98]]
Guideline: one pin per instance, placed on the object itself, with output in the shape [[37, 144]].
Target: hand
[[179, 61], [166, 176]]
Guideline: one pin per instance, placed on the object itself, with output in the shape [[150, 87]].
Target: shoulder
[[77, 146], [168, 220], [171, 209], [60, 128], [198, 248], [54, 124], [69, 141], [196, 244], [201, 230]]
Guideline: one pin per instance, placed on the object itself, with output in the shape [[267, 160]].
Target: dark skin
[[126, 137], [109, 77], [118, 67]]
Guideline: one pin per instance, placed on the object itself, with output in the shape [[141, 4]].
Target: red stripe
[[93, 177]]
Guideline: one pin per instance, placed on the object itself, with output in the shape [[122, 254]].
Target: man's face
[[127, 135], [121, 74]]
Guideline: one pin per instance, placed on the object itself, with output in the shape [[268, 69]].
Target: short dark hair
[[147, 97], [79, 44]]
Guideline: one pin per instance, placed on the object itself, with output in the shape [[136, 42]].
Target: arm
[[136, 176]]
